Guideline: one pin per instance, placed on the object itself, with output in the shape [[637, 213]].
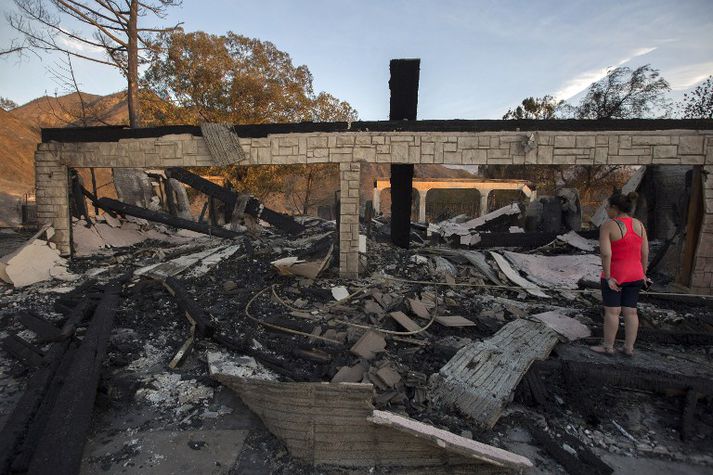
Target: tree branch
[[87, 19]]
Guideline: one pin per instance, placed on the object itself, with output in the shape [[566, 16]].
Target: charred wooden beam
[[688, 417], [253, 208], [60, 447], [613, 374], [655, 335], [27, 353], [24, 414], [403, 105], [193, 311], [44, 330], [35, 429], [155, 216]]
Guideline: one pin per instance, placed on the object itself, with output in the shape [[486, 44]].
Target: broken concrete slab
[[370, 343], [165, 452]]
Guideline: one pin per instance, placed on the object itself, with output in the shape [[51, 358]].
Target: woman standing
[[625, 256]]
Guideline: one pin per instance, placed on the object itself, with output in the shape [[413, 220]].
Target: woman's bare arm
[[605, 248], [644, 248]]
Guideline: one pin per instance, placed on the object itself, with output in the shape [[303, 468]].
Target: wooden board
[[328, 423], [480, 378]]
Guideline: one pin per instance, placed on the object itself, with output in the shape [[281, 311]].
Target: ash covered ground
[[147, 412]]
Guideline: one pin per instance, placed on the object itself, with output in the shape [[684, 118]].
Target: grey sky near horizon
[[478, 58]]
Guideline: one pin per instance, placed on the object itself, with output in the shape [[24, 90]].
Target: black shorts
[[627, 297]]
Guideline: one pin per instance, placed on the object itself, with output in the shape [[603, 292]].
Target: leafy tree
[[234, 79], [196, 77], [7, 104], [625, 94], [115, 30], [535, 108], [699, 103]]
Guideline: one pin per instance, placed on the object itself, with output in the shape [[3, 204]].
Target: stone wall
[[641, 147], [349, 174], [669, 147]]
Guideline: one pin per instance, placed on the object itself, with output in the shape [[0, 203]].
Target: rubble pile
[[463, 347]]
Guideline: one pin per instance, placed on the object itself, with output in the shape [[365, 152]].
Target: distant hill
[[67, 111], [17, 147]]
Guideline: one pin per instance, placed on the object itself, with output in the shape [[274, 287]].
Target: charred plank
[[253, 208], [44, 330], [27, 353], [24, 416], [60, 447], [193, 311], [155, 216]]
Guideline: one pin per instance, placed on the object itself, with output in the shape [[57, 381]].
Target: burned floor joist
[[25, 414], [646, 370], [253, 206], [110, 204], [59, 449]]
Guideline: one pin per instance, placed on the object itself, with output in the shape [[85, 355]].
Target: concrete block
[[475, 156], [467, 142], [690, 145], [545, 154], [665, 151], [565, 141], [585, 141], [650, 140], [399, 152]]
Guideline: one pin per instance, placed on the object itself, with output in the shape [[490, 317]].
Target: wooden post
[[403, 105]]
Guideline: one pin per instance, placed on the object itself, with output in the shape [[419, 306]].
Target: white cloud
[[78, 46], [579, 83], [683, 77]]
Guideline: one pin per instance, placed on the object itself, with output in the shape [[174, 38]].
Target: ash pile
[[248, 351]]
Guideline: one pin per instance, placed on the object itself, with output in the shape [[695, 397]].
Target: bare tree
[[115, 31]]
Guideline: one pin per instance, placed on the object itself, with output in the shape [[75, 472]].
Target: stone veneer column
[[422, 205], [484, 193], [52, 195], [349, 176], [702, 278]]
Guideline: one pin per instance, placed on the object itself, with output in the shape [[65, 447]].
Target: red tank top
[[626, 255]]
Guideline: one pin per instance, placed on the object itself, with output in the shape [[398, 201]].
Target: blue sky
[[478, 58]]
